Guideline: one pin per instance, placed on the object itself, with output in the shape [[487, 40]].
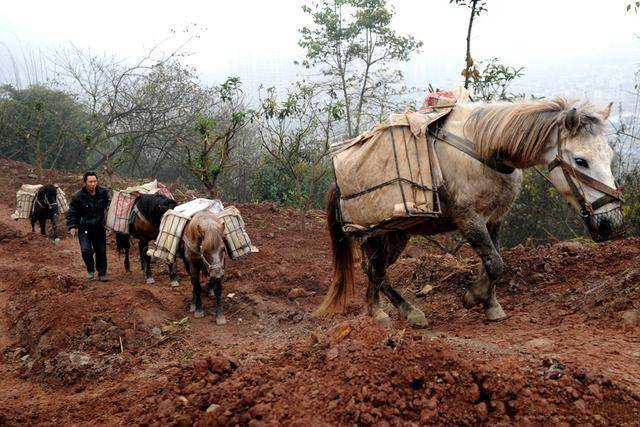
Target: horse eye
[[581, 162]]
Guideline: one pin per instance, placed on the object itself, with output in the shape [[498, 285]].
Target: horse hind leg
[[43, 226], [372, 249], [54, 225], [381, 253], [145, 261]]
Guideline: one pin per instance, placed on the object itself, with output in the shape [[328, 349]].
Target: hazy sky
[[560, 42]]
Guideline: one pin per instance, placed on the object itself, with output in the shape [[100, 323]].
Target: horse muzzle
[[216, 271], [606, 225]]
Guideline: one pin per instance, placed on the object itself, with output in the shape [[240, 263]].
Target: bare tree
[[209, 150], [296, 132]]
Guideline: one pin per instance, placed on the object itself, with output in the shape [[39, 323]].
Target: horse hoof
[[221, 320], [198, 314], [495, 313], [382, 318], [417, 319], [470, 300], [175, 283], [192, 308], [150, 281]]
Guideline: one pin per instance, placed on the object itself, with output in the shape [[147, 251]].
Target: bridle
[[46, 201], [574, 176], [195, 249]]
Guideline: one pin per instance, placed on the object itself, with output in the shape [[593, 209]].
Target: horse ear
[[572, 120], [606, 111]]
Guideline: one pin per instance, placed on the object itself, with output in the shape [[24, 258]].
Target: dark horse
[[203, 250], [144, 225], [45, 207]]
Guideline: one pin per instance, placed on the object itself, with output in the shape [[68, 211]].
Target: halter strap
[[467, 147], [572, 175], [195, 249]]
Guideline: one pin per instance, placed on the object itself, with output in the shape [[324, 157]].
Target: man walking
[[85, 218]]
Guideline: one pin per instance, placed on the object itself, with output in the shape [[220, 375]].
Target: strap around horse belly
[[468, 148], [135, 212]]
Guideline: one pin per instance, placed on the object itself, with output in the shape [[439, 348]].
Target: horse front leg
[[43, 225], [481, 237], [173, 273], [145, 261], [196, 302], [216, 284]]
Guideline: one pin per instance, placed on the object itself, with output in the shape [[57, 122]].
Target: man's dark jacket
[[87, 212]]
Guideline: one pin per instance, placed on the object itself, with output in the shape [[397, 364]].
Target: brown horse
[[203, 250], [147, 213], [565, 137]]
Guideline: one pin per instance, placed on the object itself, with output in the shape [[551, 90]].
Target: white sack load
[[391, 174], [26, 196], [122, 204], [175, 220]]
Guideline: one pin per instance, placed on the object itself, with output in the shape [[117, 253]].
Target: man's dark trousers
[[94, 242]]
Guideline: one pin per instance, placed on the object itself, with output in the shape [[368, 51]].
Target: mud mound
[[359, 374], [69, 332], [8, 233], [601, 281]]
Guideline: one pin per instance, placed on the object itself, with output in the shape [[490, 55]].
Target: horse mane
[[518, 132], [153, 206]]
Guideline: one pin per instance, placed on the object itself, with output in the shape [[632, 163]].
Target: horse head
[[579, 164], [48, 197], [204, 237], [566, 137], [213, 248]]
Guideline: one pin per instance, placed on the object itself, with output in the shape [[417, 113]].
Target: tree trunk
[[467, 63]]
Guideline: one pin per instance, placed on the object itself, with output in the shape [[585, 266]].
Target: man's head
[[90, 180]]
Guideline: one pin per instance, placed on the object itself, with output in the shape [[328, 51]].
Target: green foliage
[[491, 81], [352, 44], [295, 131], [209, 151], [540, 214], [42, 126]]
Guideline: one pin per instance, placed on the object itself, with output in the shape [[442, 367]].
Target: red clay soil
[[80, 352]]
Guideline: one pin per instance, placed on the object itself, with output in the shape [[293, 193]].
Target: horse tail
[[342, 287], [123, 244]]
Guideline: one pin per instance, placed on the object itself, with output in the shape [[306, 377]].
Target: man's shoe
[[102, 277], [90, 276]]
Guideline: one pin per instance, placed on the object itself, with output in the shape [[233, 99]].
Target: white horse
[[482, 149]]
